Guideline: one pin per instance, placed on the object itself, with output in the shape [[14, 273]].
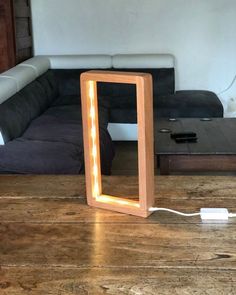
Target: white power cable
[[153, 209], [205, 213], [231, 84]]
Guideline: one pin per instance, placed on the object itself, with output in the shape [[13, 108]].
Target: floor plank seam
[[161, 267], [54, 198], [231, 224]]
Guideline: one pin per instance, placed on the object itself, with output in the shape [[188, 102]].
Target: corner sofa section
[[40, 109]]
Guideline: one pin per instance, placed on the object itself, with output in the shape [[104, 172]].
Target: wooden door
[[7, 36], [22, 30], [15, 33]]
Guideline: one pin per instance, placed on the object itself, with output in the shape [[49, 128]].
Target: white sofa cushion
[[133, 61], [8, 87], [22, 75], [40, 64], [80, 61]]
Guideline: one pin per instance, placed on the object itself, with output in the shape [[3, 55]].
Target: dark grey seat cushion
[[40, 157], [53, 144], [183, 104], [54, 149], [73, 113], [54, 129], [186, 104], [43, 131]]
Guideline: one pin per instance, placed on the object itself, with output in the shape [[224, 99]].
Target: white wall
[[199, 33]]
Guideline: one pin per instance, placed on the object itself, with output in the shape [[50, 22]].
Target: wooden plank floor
[[51, 242]]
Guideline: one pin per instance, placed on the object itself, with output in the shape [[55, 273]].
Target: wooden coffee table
[[215, 149]]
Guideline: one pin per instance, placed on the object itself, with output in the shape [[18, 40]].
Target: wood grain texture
[[51, 242], [115, 281], [216, 137], [118, 245], [62, 198], [215, 149], [196, 163]]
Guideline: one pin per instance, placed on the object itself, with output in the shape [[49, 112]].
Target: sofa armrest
[[207, 98], [189, 104]]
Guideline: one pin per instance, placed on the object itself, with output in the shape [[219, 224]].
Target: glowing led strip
[[115, 200], [94, 135]]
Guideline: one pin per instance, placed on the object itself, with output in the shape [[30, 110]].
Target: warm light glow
[[94, 151], [115, 200], [91, 90], [95, 184], [96, 189], [95, 170], [93, 132], [92, 113]]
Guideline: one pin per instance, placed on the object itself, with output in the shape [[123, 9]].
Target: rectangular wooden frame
[[143, 82]]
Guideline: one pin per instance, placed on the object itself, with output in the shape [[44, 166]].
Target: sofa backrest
[[27, 89], [40, 64], [68, 62], [150, 61], [20, 109], [68, 69], [15, 79], [25, 92], [160, 66]]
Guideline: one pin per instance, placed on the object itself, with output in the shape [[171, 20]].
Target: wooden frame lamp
[[95, 197]]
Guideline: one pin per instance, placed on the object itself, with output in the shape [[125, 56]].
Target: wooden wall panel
[[7, 36], [15, 32], [23, 30]]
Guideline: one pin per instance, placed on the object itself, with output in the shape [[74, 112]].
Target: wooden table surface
[[51, 242], [215, 137], [215, 149]]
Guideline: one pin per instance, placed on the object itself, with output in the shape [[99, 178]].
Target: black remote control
[[189, 134], [185, 139]]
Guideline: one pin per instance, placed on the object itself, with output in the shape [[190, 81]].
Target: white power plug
[[214, 214], [205, 213]]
